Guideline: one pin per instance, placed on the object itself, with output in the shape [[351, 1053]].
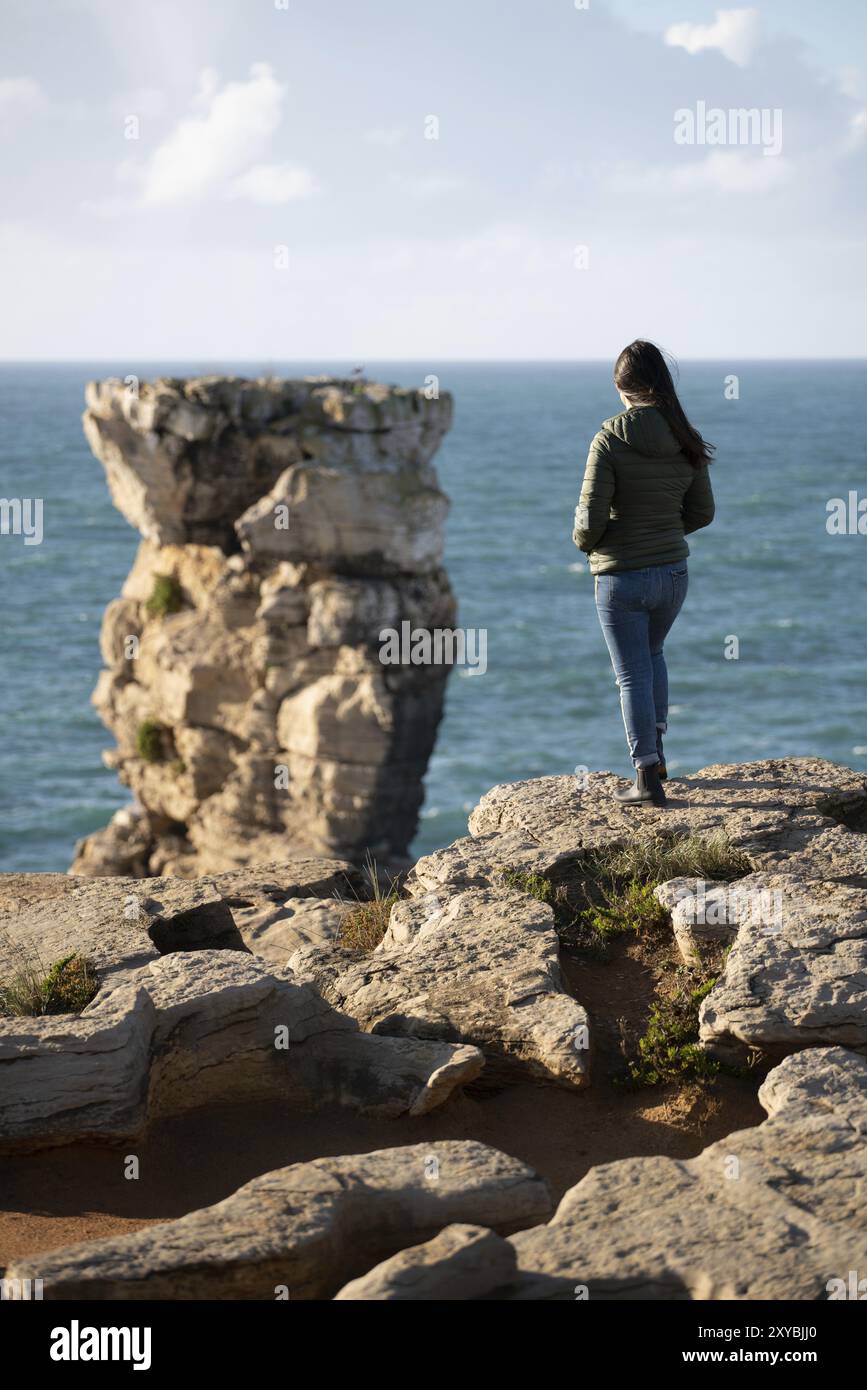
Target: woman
[[646, 486]]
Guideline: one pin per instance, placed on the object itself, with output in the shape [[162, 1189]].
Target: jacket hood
[[645, 429]]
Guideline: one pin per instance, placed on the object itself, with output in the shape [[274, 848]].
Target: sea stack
[[285, 525]]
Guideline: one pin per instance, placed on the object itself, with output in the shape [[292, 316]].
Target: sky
[[402, 179]]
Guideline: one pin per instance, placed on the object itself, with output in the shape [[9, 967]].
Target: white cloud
[[735, 33], [851, 84], [274, 183], [113, 205], [730, 171], [857, 130], [734, 171], [395, 259], [19, 91], [205, 152]]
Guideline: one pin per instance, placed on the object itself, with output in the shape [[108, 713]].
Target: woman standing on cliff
[[646, 486]]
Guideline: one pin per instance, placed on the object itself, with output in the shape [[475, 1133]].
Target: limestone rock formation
[[302, 1228], [481, 968], [285, 525], [771, 1212], [797, 982], [185, 1014], [462, 1262], [198, 979], [183, 1032], [796, 974], [120, 923], [766, 1213], [702, 915], [787, 814]]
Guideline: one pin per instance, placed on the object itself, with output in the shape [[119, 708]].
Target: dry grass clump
[[66, 987], [365, 920]]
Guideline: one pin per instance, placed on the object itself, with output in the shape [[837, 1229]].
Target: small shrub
[[670, 1050], [149, 741], [365, 921], [167, 596], [632, 908], [66, 988]]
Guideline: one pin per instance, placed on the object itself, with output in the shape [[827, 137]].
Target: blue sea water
[[766, 572]]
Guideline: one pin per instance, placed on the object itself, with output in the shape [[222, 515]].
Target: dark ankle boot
[[661, 768], [647, 787]]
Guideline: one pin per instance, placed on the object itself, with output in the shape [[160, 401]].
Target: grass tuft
[[67, 987], [527, 881], [611, 890], [149, 741], [661, 855], [365, 920], [166, 597]]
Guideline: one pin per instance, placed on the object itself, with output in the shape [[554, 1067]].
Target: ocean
[[767, 572]]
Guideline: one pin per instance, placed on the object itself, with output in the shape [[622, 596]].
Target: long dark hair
[[641, 373]]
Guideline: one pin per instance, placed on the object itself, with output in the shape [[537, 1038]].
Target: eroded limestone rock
[[189, 1029], [478, 966], [777, 813], [285, 525], [796, 975], [276, 932], [703, 915], [186, 1012], [462, 1262], [771, 1212], [117, 924], [302, 1228], [479, 861], [767, 1213]]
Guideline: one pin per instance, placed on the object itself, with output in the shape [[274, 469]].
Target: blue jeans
[[636, 610]]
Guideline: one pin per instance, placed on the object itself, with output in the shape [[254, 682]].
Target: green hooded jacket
[[641, 496]]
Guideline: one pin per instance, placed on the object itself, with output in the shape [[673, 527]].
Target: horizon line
[[408, 361]]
